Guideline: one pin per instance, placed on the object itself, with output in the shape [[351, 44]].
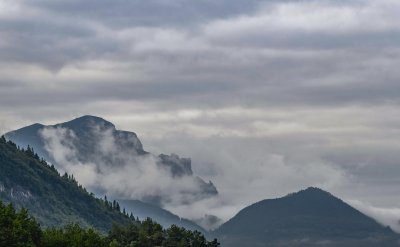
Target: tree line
[[19, 229]]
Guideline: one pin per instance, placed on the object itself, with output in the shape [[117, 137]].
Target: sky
[[266, 97]]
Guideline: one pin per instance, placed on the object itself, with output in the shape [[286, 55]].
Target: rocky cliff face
[[179, 166]]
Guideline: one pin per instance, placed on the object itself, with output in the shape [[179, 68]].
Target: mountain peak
[[88, 120], [315, 190], [311, 213], [311, 191]]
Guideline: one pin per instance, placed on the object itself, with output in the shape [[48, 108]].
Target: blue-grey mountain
[[162, 216], [311, 217]]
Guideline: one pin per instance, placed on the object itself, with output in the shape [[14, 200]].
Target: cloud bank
[[385, 216], [106, 168]]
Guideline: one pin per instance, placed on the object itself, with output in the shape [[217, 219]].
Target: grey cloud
[[147, 13], [246, 169], [44, 41], [359, 87], [209, 221], [108, 167], [385, 216], [300, 39], [349, 142], [186, 65]]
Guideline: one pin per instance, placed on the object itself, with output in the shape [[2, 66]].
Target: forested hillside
[[27, 181], [18, 229]]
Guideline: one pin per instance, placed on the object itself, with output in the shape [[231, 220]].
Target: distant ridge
[[310, 217], [163, 217]]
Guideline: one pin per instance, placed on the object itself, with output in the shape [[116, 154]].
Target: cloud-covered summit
[[113, 162]]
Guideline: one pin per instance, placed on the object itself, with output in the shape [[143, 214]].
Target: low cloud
[[119, 173], [385, 216], [211, 222], [243, 175], [246, 172]]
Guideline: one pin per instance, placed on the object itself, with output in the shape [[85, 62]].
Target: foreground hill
[[311, 217], [54, 200]]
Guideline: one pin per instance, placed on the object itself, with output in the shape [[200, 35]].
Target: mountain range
[[310, 217]]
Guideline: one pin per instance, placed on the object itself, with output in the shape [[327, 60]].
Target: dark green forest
[[30, 182], [19, 229]]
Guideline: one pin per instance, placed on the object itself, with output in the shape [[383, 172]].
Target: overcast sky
[[266, 97]]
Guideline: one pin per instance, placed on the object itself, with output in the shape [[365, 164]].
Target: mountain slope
[[306, 218], [26, 181]]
